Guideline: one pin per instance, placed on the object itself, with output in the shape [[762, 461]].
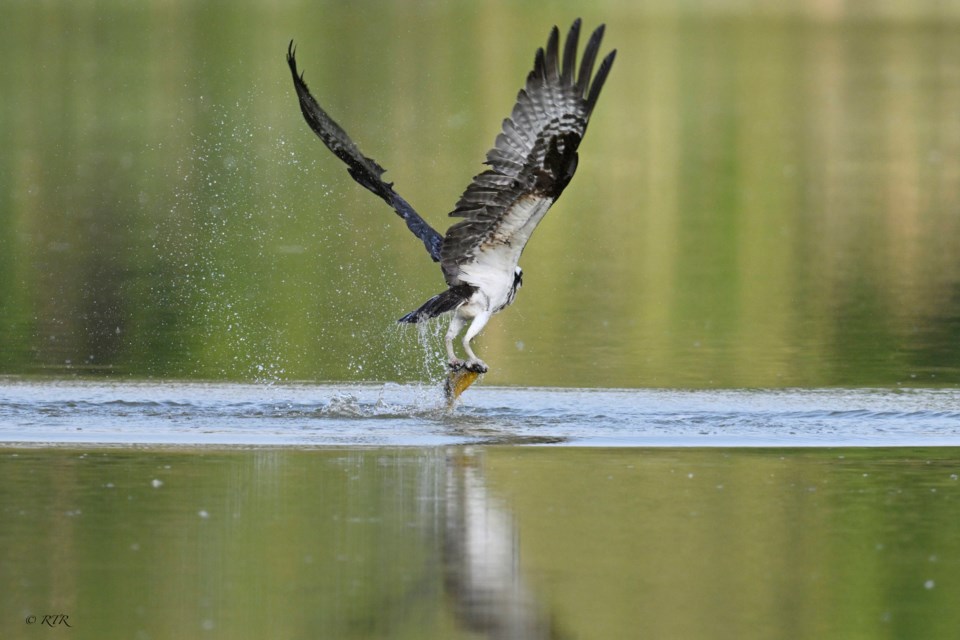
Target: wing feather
[[570, 53], [589, 58], [364, 170], [533, 158]]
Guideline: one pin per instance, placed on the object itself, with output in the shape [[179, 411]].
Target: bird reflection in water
[[481, 554]]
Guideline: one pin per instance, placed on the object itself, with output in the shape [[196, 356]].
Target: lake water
[[724, 405], [480, 541], [204, 414], [151, 510]]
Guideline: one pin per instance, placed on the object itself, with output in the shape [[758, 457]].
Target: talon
[[477, 366], [457, 365]]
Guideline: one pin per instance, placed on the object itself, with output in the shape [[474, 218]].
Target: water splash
[[213, 244], [403, 414], [247, 251]]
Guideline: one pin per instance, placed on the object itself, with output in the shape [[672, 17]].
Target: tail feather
[[449, 300]]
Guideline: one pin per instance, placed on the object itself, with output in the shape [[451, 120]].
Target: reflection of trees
[[774, 200], [341, 543], [793, 209]]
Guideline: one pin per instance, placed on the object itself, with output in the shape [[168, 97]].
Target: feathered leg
[[456, 324], [474, 363]]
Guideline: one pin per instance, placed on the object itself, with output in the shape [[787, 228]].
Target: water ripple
[[392, 414]]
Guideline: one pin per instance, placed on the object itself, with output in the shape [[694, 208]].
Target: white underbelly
[[493, 276], [494, 264]]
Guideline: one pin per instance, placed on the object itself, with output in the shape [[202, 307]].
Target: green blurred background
[[768, 195]]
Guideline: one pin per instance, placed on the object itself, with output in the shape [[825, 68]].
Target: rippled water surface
[[392, 414]]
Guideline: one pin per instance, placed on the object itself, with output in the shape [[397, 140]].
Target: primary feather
[[364, 170], [531, 162]]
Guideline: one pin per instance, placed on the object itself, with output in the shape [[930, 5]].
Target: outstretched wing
[[364, 170], [533, 158]]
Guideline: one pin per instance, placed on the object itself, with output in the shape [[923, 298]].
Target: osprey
[[531, 163]]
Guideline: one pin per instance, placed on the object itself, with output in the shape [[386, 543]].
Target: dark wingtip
[[292, 63], [552, 53], [589, 58], [599, 79], [570, 53], [292, 59], [539, 70]]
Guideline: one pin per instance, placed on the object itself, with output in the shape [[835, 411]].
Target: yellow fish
[[458, 380]]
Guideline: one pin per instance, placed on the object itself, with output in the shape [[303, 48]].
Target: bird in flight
[[531, 163]]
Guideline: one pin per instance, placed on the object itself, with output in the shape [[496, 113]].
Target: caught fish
[[458, 380]]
